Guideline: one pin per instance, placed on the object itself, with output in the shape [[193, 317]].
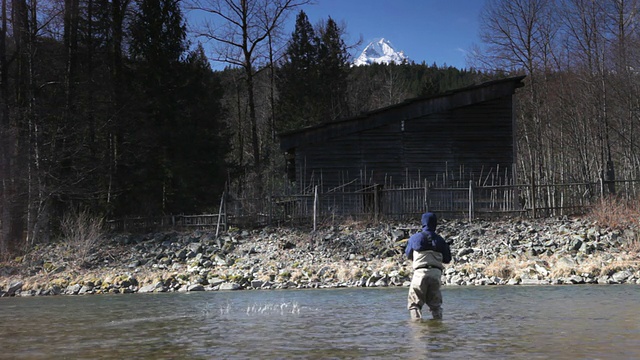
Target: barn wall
[[477, 136], [359, 159]]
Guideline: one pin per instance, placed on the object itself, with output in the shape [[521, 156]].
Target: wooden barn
[[467, 132]]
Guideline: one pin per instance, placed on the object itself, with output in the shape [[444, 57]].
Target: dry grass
[[297, 275], [633, 246], [386, 266], [471, 268], [347, 272], [264, 277], [594, 266], [503, 267], [148, 276], [353, 224], [616, 213], [619, 214], [559, 269]]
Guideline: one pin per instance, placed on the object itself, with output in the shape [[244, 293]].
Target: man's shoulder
[[439, 238], [415, 237], [431, 235]]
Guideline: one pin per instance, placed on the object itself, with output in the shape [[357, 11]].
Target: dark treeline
[[111, 107], [108, 109]]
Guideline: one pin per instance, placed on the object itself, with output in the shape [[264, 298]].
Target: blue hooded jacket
[[428, 239]]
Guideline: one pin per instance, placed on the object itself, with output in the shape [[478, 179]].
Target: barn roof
[[409, 109]]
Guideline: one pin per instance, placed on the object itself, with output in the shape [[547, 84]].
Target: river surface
[[502, 322]]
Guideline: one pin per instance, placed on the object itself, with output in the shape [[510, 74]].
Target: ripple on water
[[480, 322]]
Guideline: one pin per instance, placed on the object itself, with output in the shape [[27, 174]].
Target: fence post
[[470, 200], [426, 196], [270, 214], [315, 207], [375, 202], [533, 195], [220, 215]]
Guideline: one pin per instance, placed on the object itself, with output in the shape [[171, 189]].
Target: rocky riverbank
[[513, 252]]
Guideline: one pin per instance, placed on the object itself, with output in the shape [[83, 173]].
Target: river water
[[502, 322]]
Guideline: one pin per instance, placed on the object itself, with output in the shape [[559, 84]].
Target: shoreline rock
[[485, 253]]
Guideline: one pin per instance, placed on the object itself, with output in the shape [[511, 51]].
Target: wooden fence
[[217, 221], [203, 221], [471, 202], [401, 203]]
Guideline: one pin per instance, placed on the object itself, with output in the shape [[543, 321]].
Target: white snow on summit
[[380, 51]]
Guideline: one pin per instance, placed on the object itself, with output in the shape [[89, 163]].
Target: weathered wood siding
[[477, 137]]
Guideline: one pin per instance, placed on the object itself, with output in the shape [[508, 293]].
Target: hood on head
[[429, 221]]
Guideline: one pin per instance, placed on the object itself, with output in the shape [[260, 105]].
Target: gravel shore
[[508, 252]]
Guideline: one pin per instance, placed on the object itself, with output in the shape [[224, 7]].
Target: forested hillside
[[112, 108], [108, 109]]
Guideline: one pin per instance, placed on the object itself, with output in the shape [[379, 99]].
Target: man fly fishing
[[428, 251]]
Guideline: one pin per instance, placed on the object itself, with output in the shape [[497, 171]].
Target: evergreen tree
[[298, 78], [157, 46], [313, 78], [158, 33], [200, 142], [333, 70]]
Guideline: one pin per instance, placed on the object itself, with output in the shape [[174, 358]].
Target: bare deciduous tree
[[588, 41], [519, 35], [241, 30], [623, 17], [578, 115]]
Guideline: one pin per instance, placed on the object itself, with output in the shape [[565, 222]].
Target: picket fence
[[376, 203]]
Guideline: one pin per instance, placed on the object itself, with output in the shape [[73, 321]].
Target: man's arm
[[408, 251], [446, 256], [444, 249]]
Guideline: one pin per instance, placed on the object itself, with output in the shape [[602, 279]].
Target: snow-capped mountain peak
[[380, 51]]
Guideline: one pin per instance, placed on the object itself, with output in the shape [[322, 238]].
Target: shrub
[[81, 234], [619, 214]]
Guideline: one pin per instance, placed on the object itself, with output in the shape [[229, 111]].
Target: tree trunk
[[252, 118], [118, 8], [71, 47], [5, 141]]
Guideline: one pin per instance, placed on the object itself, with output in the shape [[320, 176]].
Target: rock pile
[[515, 252]]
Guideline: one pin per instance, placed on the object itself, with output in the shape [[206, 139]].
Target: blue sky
[[440, 31]]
